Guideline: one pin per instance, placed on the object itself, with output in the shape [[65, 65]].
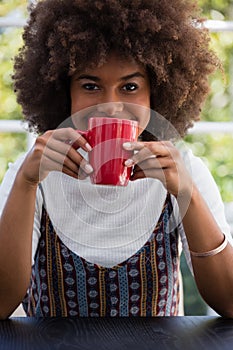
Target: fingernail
[[88, 168], [88, 147], [127, 145], [129, 162]]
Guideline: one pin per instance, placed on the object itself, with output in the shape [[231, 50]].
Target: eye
[[130, 87], [90, 86]]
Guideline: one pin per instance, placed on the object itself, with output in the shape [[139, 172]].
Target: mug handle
[[83, 133]]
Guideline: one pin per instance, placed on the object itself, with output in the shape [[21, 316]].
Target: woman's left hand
[[160, 160]]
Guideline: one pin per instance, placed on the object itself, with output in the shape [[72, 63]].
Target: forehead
[[115, 64]]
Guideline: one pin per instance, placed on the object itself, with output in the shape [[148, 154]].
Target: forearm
[[214, 274], [215, 282], [16, 226]]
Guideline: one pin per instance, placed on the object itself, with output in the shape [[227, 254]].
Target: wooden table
[[170, 333]]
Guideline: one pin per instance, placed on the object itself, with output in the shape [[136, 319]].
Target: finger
[[51, 165], [80, 176], [143, 155], [72, 137], [65, 161], [81, 142], [157, 163], [149, 150], [57, 144], [156, 147], [66, 150], [133, 146], [149, 173]]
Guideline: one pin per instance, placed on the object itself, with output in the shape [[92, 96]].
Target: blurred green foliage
[[11, 145], [6, 6], [216, 149], [217, 9]]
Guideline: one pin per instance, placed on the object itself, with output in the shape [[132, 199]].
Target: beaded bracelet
[[211, 252]]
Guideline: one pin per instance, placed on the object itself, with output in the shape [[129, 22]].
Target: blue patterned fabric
[[65, 284]]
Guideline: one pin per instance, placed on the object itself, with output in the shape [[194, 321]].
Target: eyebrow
[[125, 78]]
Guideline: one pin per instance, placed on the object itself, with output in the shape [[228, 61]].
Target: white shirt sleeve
[[5, 189], [210, 192]]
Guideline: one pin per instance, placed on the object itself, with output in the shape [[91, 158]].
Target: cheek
[[141, 112], [74, 100], [144, 120], [77, 99], [74, 108], [78, 103]]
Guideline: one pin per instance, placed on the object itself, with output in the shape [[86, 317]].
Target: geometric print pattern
[[146, 284]]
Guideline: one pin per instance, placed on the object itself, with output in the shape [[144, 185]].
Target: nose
[[111, 108]]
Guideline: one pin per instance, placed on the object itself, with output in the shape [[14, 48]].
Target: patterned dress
[[65, 284]]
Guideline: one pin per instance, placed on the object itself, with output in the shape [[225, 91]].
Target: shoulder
[[196, 167], [203, 178], [8, 179], [207, 186]]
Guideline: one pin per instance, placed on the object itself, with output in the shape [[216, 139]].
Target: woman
[[69, 248]]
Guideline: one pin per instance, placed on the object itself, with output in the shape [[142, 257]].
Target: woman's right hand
[[56, 150]]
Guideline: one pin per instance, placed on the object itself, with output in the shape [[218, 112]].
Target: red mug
[[106, 136]]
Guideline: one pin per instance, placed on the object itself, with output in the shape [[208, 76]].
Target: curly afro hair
[[167, 37]]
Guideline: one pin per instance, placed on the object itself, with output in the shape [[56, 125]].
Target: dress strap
[[43, 195]]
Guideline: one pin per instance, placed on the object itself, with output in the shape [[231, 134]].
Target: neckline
[[116, 267]]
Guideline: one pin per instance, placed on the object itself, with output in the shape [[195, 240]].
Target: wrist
[[186, 196], [24, 183], [211, 252]]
